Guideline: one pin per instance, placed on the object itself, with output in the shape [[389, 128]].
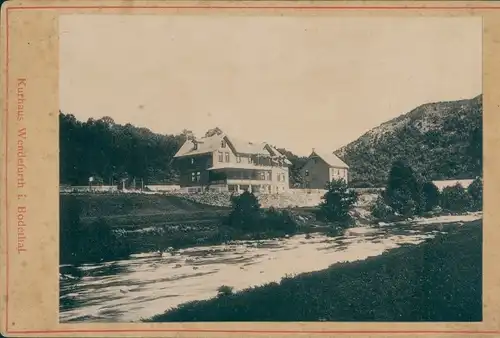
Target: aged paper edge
[[436, 8]]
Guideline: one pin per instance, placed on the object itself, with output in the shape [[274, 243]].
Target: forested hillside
[[440, 140], [110, 151]]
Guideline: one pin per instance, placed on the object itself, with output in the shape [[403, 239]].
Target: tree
[[431, 195], [403, 192], [245, 213], [296, 179], [106, 149], [475, 191], [380, 210], [456, 199], [337, 202], [280, 220]]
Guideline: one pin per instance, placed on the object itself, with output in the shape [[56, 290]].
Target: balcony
[[239, 176]]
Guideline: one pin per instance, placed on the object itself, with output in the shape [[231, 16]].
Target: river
[[148, 284]]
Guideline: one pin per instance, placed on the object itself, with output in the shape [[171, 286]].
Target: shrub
[[430, 196], [403, 192], [80, 243], [380, 210], [280, 220], [100, 243], [475, 191], [224, 290], [245, 214], [456, 199], [337, 202], [402, 202]]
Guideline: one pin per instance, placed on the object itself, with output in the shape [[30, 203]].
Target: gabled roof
[[212, 143], [205, 145], [330, 158], [245, 147]]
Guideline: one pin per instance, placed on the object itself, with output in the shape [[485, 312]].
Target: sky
[[298, 82]]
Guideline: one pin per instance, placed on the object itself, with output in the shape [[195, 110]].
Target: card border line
[[6, 112]]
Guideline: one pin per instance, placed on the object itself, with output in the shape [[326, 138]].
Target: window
[[238, 159], [307, 172], [198, 176], [193, 177], [227, 157], [192, 161], [221, 158], [250, 160], [223, 144]]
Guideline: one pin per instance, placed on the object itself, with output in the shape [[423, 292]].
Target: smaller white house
[[322, 168]]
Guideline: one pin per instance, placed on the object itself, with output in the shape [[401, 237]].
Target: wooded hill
[[441, 140]]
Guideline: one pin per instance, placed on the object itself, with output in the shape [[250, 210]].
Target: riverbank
[[108, 227], [440, 280], [115, 226], [144, 285]]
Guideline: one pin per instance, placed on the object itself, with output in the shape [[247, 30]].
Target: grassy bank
[[103, 227], [440, 280]]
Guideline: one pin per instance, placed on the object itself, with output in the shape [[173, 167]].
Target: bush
[[224, 290], [456, 199], [402, 202], [406, 195], [475, 191], [337, 202], [430, 196], [403, 193], [280, 220], [100, 243], [248, 217], [380, 210], [81, 243], [245, 214]]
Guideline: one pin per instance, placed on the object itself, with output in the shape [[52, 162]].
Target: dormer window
[[195, 146], [223, 144]]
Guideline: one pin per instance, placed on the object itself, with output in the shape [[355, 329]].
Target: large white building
[[223, 163]]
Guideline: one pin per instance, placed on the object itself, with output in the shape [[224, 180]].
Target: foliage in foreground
[[247, 216], [81, 243], [440, 280]]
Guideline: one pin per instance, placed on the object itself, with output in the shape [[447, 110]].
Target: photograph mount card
[[208, 169]]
